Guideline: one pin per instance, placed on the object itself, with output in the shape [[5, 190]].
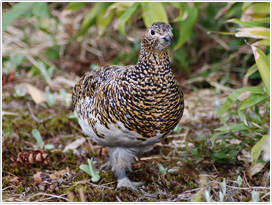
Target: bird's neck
[[153, 61]]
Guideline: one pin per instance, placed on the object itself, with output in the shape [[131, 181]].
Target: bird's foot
[[105, 166], [125, 182]]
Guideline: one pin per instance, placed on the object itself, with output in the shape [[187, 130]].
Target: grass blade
[[233, 97], [18, 10], [76, 5], [253, 100], [242, 117], [186, 26], [103, 19], [152, 12], [257, 149], [247, 23], [264, 42], [262, 8], [90, 18], [233, 128], [263, 65], [41, 10], [255, 32], [125, 17]]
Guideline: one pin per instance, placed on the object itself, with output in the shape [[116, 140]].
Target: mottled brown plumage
[[130, 108]]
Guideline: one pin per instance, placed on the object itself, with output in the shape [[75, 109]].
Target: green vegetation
[[221, 58], [254, 23], [90, 170]]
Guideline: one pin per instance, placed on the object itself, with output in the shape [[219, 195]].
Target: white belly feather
[[116, 135]]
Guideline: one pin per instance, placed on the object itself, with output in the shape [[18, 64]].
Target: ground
[[54, 175]]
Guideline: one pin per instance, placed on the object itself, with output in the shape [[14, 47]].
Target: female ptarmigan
[[130, 108]]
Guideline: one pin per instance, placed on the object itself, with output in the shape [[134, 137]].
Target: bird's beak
[[167, 38]]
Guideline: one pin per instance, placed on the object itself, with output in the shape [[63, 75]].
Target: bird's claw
[[125, 182]]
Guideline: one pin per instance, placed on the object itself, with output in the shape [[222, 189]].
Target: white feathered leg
[[120, 161]]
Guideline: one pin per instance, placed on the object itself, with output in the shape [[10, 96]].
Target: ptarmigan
[[130, 108]]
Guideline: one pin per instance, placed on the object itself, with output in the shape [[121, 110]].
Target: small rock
[[174, 170]]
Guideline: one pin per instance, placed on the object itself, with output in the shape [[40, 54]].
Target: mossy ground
[[194, 174]]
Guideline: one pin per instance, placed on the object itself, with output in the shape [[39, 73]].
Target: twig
[[215, 168], [102, 186], [118, 199], [215, 38], [192, 190], [95, 185], [81, 195], [74, 126], [9, 173], [184, 135], [32, 114], [267, 194], [8, 113], [41, 68], [221, 87], [50, 195], [215, 192], [3, 189], [233, 187], [152, 157], [208, 175], [245, 180], [158, 156]]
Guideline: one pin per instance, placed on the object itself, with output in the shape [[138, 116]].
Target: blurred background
[[220, 56]]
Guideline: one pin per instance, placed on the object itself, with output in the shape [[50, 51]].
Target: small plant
[[224, 188], [36, 134], [51, 98], [239, 181], [89, 169], [74, 116], [162, 169], [207, 194], [26, 9], [178, 128], [255, 196], [221, 196], [13, 62], [66, 98], [18, 92]]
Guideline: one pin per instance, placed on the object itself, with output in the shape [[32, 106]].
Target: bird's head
[[158, 36]]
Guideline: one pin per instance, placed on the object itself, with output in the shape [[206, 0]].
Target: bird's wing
[[92, 81]]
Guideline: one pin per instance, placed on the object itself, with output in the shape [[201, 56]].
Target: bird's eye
[[152, 32]]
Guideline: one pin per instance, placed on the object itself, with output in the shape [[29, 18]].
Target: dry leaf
[[245, 157], [74, 144], [8, 77], [256, 168], [51, 182], [61, 81], [256, 32], [36, 94], [44, 182], [266, 149], [224, 10], [16, 181]]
